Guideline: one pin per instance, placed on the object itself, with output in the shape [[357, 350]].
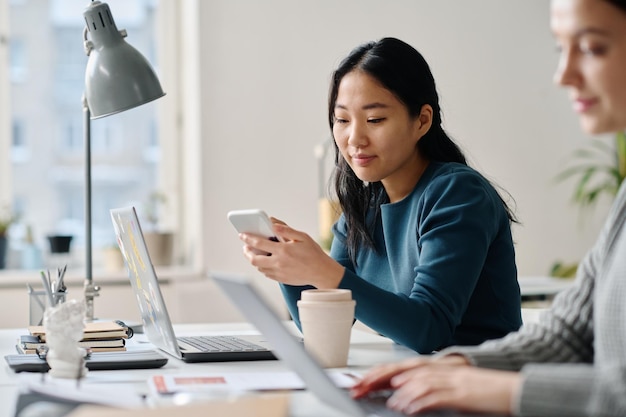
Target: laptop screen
[[156, 320], [243, 294]]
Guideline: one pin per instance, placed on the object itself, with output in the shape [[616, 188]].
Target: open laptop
[[156, 320], [289, 349]]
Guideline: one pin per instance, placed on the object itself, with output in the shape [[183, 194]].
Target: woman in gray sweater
[[573, 362]]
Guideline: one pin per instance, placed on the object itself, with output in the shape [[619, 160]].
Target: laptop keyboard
[[221, 344], [375, 404]]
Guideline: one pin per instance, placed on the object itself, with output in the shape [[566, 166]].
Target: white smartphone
[[253, 221]]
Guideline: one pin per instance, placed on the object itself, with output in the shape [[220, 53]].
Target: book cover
[[28, 344], [92, 330], [33, 342], [31, 351]]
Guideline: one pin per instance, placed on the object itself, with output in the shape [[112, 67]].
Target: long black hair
[[403, 71]]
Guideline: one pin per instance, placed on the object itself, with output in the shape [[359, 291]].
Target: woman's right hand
[[379, 377], [297, 259]]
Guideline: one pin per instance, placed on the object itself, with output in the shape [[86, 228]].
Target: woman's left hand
[[296, 259], [464, 388]]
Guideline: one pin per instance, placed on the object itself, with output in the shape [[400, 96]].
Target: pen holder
[[38, 301]]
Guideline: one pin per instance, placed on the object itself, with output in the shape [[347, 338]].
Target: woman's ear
[[425, 119]]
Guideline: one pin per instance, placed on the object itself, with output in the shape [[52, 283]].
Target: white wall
[[265, 67], [6, 183]]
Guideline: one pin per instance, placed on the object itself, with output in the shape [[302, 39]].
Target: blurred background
[[244, 121]]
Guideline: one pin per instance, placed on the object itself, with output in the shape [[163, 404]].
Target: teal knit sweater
[[444, 269]]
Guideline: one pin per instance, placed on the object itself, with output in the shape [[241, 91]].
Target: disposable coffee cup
[[326, 317]]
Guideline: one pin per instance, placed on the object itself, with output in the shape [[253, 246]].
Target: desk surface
[[366, 349], [544, 286]]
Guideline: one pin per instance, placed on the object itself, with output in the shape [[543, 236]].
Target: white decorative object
[[64, 329]]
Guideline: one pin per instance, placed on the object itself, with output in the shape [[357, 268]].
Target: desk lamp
[[117, 78]]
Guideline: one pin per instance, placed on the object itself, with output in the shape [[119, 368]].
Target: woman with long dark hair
[[424, 241]]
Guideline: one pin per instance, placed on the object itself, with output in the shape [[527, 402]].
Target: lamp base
[[91, 291]]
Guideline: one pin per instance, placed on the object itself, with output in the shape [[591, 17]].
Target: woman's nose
[[566, 73], [356, 135]]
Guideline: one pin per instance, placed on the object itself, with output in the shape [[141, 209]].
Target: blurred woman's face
[[591, 37]]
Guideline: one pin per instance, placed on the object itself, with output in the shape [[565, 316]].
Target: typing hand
[[461, 388], [379, 377]]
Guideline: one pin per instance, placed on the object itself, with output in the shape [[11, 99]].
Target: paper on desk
[[114, 395], [164, 384], [273, 405]]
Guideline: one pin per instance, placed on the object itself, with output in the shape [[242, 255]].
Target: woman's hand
[[296, 259], [427, 383], [379, 377], [462, 388]]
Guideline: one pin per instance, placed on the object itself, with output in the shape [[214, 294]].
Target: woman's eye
[[340, 120], [592, 49], [375, 120]]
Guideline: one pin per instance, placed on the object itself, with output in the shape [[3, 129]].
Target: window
[[46, 74], [17, 62]]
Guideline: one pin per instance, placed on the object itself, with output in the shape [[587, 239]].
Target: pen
[[61, 286]]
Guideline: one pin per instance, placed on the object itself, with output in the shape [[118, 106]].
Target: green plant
[[600, 169], [7, 218], [153, 207]]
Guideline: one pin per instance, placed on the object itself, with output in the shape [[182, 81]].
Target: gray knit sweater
[[573, 361]]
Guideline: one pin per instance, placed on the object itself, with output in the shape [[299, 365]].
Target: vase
[[160, 247], [59, 243], [112, 259]]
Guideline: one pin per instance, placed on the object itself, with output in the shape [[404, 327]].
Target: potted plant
[[600, 169], [7, 218], [160, 243]]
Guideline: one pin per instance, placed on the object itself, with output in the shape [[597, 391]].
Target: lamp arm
[[91, 290]]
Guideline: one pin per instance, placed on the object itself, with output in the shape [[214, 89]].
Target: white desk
[[366, 350], [542, 286]]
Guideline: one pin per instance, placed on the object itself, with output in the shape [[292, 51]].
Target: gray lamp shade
[[118, 77]]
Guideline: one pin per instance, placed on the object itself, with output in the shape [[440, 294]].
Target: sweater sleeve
[[572, 390], [557, 356]]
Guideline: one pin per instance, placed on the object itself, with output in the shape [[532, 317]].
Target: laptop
[[156, 320], [288, 348]]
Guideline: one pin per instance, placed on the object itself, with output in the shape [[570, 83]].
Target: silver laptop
[[289, 349], [156, 320]]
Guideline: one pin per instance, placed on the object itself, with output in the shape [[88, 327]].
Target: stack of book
[[102, 336]]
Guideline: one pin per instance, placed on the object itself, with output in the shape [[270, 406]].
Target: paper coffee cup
[[326, 317]]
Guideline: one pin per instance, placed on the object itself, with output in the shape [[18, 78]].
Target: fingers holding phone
[[254, 222]]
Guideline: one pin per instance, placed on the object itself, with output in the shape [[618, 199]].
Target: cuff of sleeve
[[555, 390], [452, 352], [480, 358]]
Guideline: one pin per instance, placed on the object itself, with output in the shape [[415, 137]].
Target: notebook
[[289, 349], [135, 359], [156, 320]]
